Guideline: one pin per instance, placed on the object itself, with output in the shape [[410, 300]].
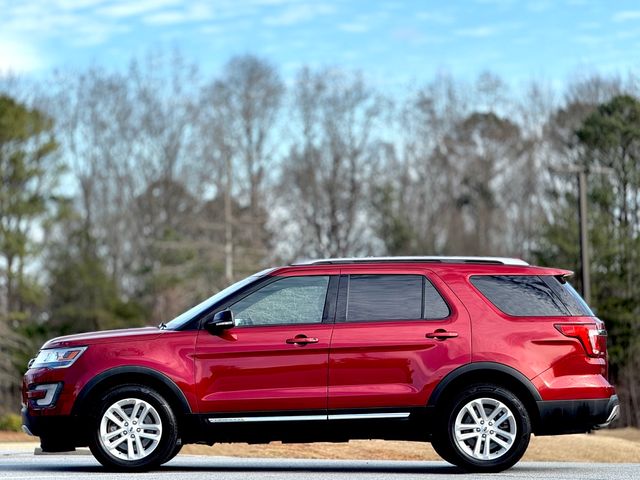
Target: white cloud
[[538, 6], [366, 22], [626, 15], [195, 12], [17, 56], [586, 39], [590, 25], [295, 14], [131, 9], [477, 32], [355, 27], [169, 17], [77, 4], [435, 17]]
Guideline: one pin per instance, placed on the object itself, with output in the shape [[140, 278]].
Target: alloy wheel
[[485, 429], [130, 429]]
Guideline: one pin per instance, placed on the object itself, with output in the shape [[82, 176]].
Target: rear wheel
[[134, 429], [486, 429]]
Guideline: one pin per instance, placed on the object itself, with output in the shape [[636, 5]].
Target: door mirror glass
[[220, 321]]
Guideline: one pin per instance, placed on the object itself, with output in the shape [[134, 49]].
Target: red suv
[[471, 354]]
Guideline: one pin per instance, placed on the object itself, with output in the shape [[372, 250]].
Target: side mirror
[[220, 321]]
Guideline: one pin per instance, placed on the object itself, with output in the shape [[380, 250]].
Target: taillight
[[593, 336]]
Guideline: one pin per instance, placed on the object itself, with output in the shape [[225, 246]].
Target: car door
[[398, 332], [275, 358]]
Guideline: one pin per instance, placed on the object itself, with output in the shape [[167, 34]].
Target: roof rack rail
[[425, 259]]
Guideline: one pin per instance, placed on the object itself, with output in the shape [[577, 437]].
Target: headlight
[[57, 357]]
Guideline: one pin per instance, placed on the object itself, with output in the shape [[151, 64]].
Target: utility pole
[[228, 221], [585, 269], [585, 261]]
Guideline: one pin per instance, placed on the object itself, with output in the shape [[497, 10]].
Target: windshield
[[185, 317]]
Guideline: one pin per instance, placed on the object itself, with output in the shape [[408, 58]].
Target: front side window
[[393, 297], [531, 296], [290, 300]]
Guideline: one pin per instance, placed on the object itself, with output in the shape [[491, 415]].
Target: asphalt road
[[19, 465]]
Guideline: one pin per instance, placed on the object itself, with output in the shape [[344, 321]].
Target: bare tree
[[243, 107], [488, 153], [423, 171], [126, 135], [328, 171]]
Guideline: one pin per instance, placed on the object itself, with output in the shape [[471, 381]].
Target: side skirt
[[305, 426]]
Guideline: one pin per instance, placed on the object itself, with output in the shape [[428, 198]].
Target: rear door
[[398, 332]]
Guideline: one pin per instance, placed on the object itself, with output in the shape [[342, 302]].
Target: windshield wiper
[[162, 326]]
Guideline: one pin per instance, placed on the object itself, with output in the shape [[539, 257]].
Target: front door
[[276, 357], [398, 332]]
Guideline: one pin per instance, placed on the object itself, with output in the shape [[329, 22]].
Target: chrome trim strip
[[307, 418], [356, 416], [449, 259], [281, 418], [615, 411], [612, 416]]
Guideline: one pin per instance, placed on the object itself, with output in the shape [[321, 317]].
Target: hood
[[107, 336]]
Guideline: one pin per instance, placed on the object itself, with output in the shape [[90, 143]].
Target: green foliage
[[614, 127], [10, 422], [608, 137], [82, 295], [394, 227], [29, 172], [25, 142]]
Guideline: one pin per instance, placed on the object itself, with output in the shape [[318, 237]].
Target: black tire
[[463, 454], [159, 450], [176, 451], [441, 447]]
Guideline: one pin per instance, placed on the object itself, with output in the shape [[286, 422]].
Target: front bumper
[[576, 416], [58, 433]]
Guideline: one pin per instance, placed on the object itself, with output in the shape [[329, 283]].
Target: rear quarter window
[[531, 295]]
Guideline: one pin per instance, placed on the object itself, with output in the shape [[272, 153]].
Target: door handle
[[441, 334], [301, 340]]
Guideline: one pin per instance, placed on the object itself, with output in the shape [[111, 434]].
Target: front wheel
[[134, 429], [486, 429]]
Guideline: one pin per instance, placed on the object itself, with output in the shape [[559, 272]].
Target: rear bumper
[[575, 416]]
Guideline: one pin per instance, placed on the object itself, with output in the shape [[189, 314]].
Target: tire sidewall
[[523, 429], [168, 439]]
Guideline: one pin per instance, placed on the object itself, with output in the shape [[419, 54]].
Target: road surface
[[16, 465]]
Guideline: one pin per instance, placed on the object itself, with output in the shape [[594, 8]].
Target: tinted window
[[571, 299], [393, 297], [290, 300], [521, 295], [434, 305]]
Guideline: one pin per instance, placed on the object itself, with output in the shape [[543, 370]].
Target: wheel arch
[[490, 373], [131, 374]]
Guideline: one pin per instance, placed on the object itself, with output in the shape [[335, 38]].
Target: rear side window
[[531, 296], [393, 297]]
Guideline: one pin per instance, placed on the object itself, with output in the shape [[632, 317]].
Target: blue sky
[[393, 42]]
